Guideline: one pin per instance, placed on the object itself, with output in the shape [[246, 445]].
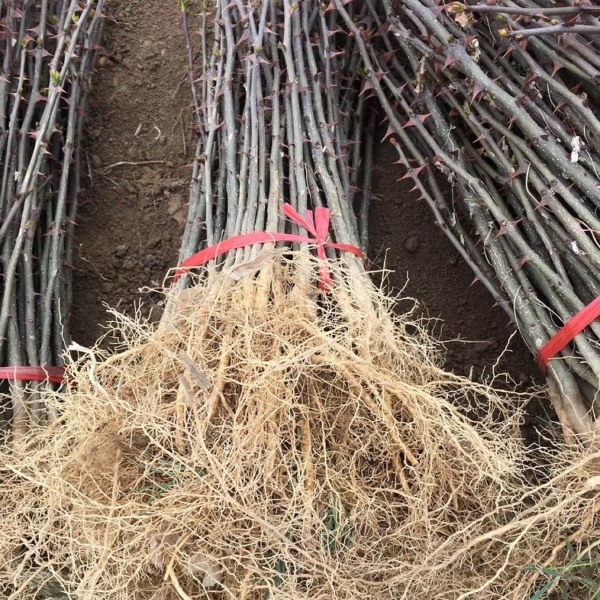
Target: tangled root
[[268, 442]]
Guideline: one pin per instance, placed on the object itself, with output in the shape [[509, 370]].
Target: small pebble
[[412, 244], [122, 251], [150, 261]]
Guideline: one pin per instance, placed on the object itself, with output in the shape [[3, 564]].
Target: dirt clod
[[412, 244]]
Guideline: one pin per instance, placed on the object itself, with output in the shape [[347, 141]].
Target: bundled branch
[[489, 99], [280, 119], [48, 51]]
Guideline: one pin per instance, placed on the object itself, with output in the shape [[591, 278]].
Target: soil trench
[[139, 141]]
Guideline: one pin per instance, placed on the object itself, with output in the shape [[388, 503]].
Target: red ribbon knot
[[315, 222]]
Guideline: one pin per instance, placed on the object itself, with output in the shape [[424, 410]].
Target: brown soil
[[131, 221], [132, 216], [425, 265]]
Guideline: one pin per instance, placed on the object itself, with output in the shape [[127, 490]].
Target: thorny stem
[[190, 72], [554, 30], [533, 12]]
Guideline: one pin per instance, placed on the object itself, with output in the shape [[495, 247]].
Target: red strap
[[316, 223], [51, 374], [570, 330]]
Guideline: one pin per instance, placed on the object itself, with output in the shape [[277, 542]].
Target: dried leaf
[[158, 543], [576, 146], [460, 14], [464, 19], [250, 267], [200, 564]]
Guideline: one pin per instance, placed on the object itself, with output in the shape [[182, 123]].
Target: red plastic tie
[[316, 223], [567, 334], [51, 374]]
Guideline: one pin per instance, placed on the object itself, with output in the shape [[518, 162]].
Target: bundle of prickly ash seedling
[[500, 100], [47, 52], [280, 119]]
